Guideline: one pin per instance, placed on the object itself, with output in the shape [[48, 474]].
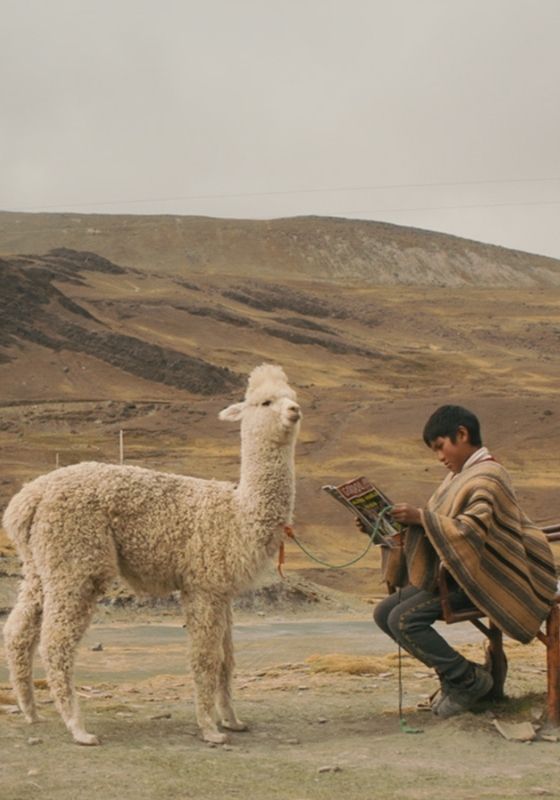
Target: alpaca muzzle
[[294, 414]]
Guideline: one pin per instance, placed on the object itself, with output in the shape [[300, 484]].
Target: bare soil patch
[[321, 696]]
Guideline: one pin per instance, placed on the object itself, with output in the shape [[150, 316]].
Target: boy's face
[[453, 454]]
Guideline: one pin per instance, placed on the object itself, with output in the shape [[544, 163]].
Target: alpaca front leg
[[225, 705], [21, 633], [206, 619]]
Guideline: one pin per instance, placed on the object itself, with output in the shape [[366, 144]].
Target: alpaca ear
[[232, 413]]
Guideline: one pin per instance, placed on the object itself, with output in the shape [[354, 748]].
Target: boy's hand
[[406, 514], [362, 527]]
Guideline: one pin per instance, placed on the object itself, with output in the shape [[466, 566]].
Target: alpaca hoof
[[33, 718], [235, 725], [215, 737], [86, 739]]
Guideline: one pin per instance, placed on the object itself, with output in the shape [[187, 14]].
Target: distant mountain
[[317, 248]]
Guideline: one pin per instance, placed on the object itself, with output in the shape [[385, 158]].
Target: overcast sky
[[440, 114]]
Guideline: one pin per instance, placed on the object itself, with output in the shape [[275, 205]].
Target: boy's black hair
[[447, 420]]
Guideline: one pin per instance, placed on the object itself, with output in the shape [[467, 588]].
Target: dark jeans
[[407, 616]]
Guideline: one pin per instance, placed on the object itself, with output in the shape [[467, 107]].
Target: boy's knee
[[396, 623], [380, 615]]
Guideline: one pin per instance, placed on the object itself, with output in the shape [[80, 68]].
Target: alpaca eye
[[265, 403]]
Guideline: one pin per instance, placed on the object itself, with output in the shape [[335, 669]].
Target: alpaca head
[[270, 408]]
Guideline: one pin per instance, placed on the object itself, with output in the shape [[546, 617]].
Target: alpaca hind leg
[[21, 634], [225, 705], [206, 620], [67, 615]]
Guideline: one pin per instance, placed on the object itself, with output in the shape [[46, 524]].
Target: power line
[[394, 210], [323, 190], [457, 207]]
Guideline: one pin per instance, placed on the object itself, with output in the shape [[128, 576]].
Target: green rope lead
[[372, 538], [405, 728]]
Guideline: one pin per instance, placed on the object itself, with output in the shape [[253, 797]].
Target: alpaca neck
[[267, 488]]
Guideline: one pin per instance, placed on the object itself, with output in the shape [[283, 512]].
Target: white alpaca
[[76, 528]]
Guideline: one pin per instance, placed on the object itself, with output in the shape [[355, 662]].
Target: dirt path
[[316, 730]]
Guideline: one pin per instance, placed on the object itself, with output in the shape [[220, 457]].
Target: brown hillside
[[89, 347], [317, 248]]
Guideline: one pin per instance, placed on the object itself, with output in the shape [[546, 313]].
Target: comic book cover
[[370, 504]]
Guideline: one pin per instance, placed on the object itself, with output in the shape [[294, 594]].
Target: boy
[[495, 557]]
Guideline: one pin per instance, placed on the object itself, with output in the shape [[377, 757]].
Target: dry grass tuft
[[351, 664]]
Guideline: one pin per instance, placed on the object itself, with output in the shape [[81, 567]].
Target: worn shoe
[[439, 695], [459, 698]]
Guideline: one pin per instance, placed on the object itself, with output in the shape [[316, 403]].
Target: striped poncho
[[474, 525]]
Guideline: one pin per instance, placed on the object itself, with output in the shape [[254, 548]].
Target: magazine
[[369, 504]]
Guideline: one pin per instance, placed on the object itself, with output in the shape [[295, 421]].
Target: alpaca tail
[[23, 626], [20, 513]]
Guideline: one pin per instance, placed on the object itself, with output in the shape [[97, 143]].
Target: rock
[[519, 732]]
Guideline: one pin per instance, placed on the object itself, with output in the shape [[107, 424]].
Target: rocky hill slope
[[34, 310], [318, 248]]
